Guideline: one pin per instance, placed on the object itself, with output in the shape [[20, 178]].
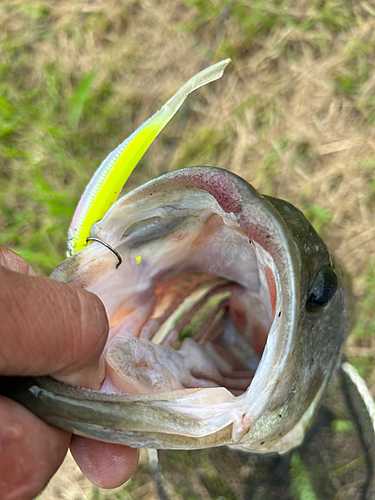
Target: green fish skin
[[260, 311]]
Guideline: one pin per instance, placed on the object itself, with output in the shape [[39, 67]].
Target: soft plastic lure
[[108, 180]]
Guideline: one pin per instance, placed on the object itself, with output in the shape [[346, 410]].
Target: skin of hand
[[50, 328]]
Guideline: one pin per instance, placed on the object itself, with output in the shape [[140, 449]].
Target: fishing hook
[[109, 248]]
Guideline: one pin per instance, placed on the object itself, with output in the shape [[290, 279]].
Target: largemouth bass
[[227, 311]]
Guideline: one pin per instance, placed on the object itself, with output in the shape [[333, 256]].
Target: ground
[[294, 114]]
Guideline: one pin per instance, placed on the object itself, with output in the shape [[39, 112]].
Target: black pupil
[[322, 290]]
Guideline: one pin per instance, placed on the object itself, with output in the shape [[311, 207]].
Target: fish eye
[[323, 289]]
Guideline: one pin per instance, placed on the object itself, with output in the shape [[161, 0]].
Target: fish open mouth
[[193, 301], [201, 306]]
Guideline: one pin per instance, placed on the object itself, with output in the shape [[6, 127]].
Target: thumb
[[48, 327]]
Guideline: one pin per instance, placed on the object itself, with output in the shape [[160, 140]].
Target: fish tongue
[[140, 366], [134, 365]]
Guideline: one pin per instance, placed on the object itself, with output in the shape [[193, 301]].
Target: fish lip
[[265, 226]]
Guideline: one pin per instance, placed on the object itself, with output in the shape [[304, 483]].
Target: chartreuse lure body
[[113, 173]]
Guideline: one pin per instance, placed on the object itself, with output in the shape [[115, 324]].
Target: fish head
[[227, 313]]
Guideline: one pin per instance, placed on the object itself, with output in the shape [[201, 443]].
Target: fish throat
[[192, 303]]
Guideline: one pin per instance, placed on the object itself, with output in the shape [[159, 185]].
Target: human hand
[[50, 328]]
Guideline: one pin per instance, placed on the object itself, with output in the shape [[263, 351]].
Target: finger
[[106, 465], [31, 451], [48, 327], [14, 262]]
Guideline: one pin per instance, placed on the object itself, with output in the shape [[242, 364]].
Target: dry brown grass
[[294, 113]]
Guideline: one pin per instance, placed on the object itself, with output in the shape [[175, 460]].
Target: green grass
[[301, 485], [350, 466], [76, 80], [342, 426], [55, 129]]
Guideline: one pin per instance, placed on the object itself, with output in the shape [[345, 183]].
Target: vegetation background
[[294, 114]]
